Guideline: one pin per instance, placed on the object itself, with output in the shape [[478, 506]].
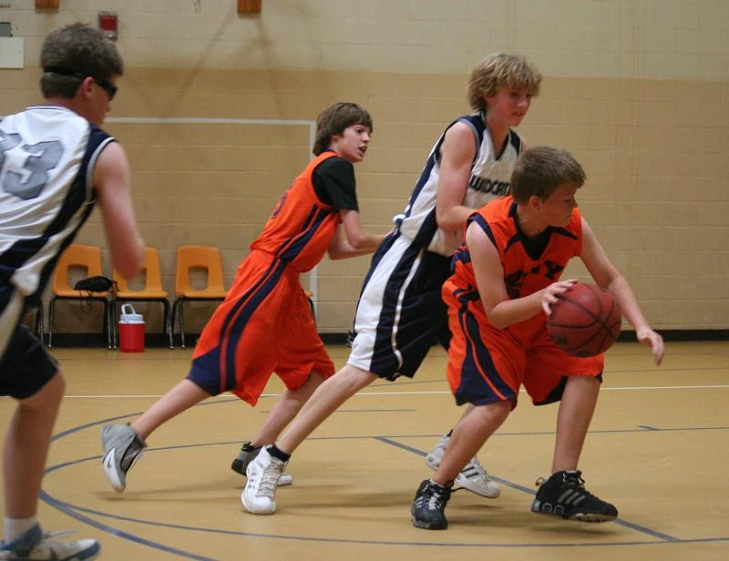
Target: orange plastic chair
[[81, 256], [152, 292], [189, 258]]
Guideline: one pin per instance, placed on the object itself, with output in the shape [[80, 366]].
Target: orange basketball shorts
[[488, 365], [265, 325]]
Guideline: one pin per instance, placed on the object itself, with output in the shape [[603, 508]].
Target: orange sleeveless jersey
[[300, 228], [523, 274]]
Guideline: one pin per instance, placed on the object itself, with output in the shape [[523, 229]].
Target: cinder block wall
[[636, 89]]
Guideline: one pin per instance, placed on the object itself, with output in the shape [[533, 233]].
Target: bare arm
[[608, 277], [351, 239], [457, 153], [501, 311], [111, 180]]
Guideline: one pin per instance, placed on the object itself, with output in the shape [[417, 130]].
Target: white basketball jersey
[[490, 178], [47, 158]]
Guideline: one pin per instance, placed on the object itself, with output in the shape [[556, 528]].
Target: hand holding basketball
[[585, 320], [552, 292]]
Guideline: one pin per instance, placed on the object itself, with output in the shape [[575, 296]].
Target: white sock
[[16, 527]]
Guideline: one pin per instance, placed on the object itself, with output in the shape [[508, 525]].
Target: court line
[[75, 512], [618, 521], [396, 392]]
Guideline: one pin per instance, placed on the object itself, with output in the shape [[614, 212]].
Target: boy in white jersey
[[55, 163], [400, 313]]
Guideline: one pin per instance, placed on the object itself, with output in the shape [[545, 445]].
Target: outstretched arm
[[111, 180], [608, 277]]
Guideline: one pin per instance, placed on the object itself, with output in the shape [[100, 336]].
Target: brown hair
[[334, 119], [80, 50], [539, 171]]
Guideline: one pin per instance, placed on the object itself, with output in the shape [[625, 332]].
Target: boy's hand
[[649, 337], [549, 295]]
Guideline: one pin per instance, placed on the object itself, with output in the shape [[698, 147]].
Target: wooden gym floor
[[658, 449]]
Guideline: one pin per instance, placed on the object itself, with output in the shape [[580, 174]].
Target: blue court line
[[74, 511], [619, 521]]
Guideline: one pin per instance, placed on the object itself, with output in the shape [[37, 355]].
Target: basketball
[[585, 321]]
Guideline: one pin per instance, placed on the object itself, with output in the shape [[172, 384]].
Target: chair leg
[[114, 330], [51, 314], [107, 322], [181, 314], [39, 323], [173, 318], [166, 321]]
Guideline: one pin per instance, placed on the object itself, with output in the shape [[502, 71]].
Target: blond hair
[[501, 70]]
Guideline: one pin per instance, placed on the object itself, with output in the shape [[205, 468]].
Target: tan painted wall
[[636, 89]]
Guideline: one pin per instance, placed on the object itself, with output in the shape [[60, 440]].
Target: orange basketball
[[585, 321]]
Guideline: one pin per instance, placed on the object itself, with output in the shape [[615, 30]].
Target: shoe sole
[[433, 463], [588, 517], [284, 480], [427, 526], [111, 474], [93, 552]]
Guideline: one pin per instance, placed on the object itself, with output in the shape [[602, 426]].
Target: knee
[[495, 412], [354, 379]]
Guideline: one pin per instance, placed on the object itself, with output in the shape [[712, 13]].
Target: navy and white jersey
[[490, 178], [47, 158]]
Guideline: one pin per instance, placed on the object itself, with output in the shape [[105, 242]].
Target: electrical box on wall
[[249, 6], [109, 25]]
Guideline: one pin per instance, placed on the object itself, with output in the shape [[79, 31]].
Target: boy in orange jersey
[[506, 277], [265, 324]]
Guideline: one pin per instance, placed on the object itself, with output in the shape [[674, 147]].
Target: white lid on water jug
[[130, 317]]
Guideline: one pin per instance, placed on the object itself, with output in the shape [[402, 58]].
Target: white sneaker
[[245, 457], [473, 477], [259, 495], [35, 545]]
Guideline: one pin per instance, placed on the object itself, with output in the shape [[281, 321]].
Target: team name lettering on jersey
[[484, 185]]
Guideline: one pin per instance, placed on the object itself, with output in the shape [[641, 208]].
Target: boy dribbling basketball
[[506, 277]]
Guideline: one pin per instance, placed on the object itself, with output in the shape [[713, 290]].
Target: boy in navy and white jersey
[[400, 313], [55, 164]]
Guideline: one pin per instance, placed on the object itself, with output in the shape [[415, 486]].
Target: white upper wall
[[669, 39]]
